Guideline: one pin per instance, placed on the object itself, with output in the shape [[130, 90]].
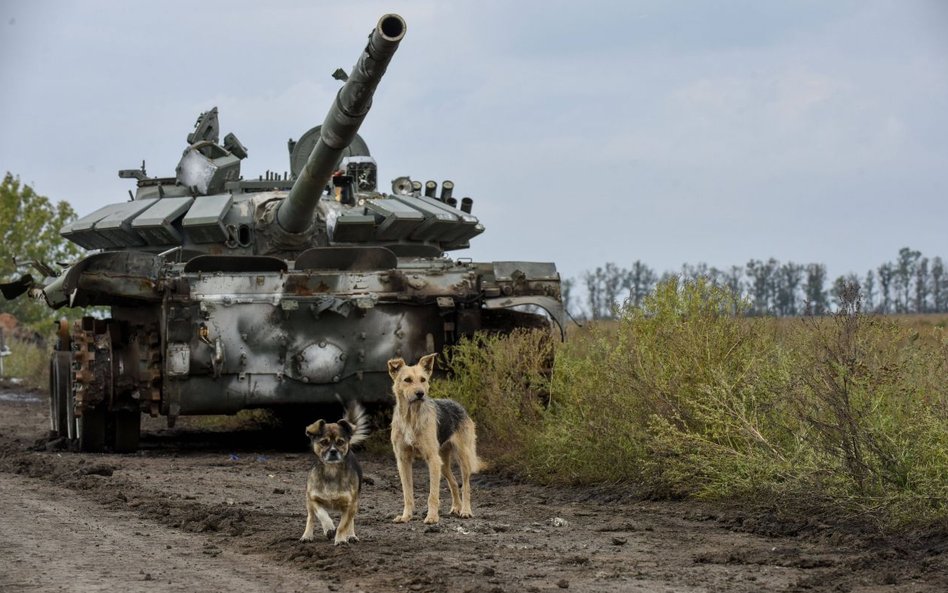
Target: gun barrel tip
[[392, 27]]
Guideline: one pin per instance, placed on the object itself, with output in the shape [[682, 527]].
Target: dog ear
[[428, 362], [347, 428], [394, 366], [315, 429]]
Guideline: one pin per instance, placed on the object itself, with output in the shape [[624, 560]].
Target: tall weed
[[686, 401], [27, 362], [685, 396], [872, 408], [504, 383]]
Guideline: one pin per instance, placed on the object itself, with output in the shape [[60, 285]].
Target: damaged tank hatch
[[289, 289]]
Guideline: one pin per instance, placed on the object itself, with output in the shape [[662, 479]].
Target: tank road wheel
[[92, 386], [60, 383], [87, 430], [71, 433], [91, 429], [126, 430]]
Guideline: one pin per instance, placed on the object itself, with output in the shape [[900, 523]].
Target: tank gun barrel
[[341, 124]]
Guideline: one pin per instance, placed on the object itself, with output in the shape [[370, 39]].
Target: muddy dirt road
[[199, 510]]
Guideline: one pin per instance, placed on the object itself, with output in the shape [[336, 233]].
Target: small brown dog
[[336, 479], [437, 430]]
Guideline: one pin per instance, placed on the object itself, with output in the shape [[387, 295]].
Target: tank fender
[[548, 304], [125, 274]]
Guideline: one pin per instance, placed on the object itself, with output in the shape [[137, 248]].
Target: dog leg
[[446, 455], [310, 515], [464, 460], [346, 531], [325, 521], [403, 459], [434, 483]]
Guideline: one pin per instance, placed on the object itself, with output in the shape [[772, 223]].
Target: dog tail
[[474, 461], [359, 419]]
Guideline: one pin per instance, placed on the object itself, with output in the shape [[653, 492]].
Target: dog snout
[[420, 393]]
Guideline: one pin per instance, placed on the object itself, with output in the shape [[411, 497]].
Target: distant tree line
[[912, 283]]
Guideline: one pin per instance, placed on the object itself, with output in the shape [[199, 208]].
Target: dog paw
[[307, 537], [465, 514], [455, 511], [402, 518], [330, 533], [431, 519], [345, 540]]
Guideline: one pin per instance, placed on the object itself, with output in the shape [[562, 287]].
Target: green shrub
[[504, 383], [678, 396], [685, 396], [589, 433], [872, 407]]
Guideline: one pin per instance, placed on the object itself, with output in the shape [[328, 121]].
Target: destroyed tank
[[276, 292]]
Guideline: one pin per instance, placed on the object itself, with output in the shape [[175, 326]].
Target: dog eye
[[407, 379], [324, 442], [340, 442], [422, 380]]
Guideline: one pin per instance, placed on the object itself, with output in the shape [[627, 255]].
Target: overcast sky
[[586, 132]]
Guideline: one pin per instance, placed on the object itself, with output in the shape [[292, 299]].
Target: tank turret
[[341, 124], [227, 293]]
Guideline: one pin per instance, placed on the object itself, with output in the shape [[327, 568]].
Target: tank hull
[[216, 335]]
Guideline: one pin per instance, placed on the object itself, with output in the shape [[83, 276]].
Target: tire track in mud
[[246, 504], [112, 550]]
